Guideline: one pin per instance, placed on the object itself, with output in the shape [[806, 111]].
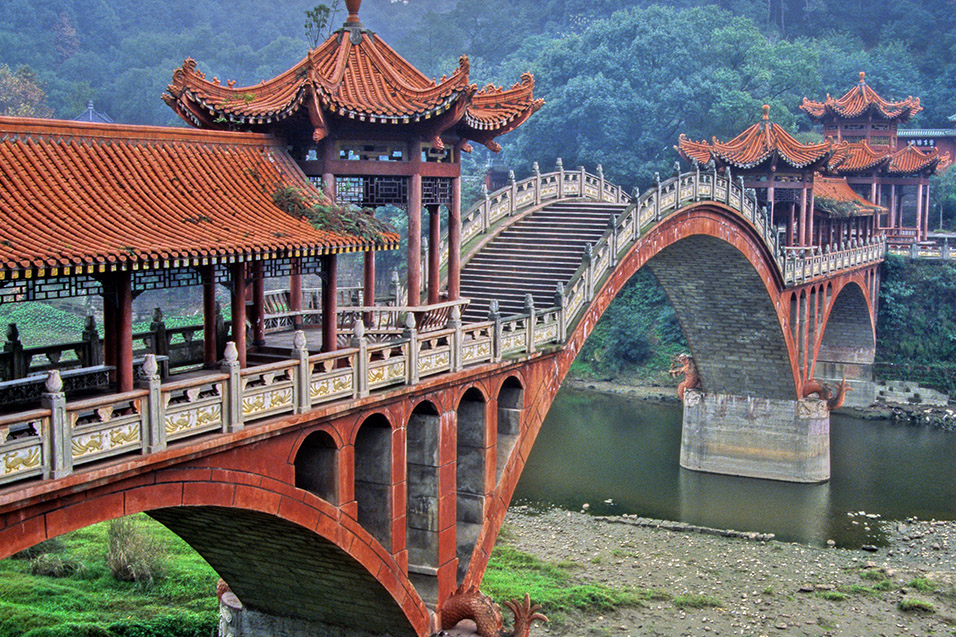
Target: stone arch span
[[726, 289], [279, 548]]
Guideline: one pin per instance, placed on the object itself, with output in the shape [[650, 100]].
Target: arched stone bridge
[[360, 488]]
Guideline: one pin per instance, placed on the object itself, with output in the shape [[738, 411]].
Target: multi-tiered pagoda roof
[[763, 144], [355, 76], [860, 101]]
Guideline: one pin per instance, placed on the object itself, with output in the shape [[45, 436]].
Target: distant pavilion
[[371, 129]]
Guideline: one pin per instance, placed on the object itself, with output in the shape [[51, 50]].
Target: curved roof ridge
[[858, 156], [860, 99]]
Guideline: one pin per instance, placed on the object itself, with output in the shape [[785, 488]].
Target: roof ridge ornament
[[353, 7]]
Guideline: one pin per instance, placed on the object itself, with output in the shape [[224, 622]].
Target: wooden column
[[454, 241], [258, 303], [434, 252], [414, 273], [209, 354], [810, 218], [109, 323], [238, 275], [919, 212], [926, 213], [893, 206], [295, 292], [368, 279], [790, 222], [329, 303], [124, 332], [801, 232]]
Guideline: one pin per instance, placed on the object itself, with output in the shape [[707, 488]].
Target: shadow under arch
[[373, 477], [510, 407], [316, 466], [472, 445], [847, 347]]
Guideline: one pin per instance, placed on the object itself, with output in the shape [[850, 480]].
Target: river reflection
[[594, 447]]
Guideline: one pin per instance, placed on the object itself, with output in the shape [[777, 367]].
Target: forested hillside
[[621, 77]]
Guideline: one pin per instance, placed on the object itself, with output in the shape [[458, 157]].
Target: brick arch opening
[[422, 459], [472, 447], [848, 343], [282, 569], [316, 466], [730, 322], [373, 477], [510, 406]]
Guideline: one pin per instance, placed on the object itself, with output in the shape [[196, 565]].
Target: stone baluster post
[[157, 328], [749, 212], [153, 432], [93, 350], [454, 323], [513, 192], [410, 334], [636, 212], [485, 209], [396, 286], [696, 181], [561, 301], [657, 199], [944, 252], [537, 183], [232, 389], [58, 450], [589, 271], [303, 385], [600, 174], [494, 315], [583, 177], [914, 250], [559, 166], [532, 319], [730, 184], [360, 368], [612, 224]]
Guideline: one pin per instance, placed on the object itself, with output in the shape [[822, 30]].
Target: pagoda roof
[[356, 76], [860, 101], [834, 197], [764, 142], [76, 194], [910, 159], [857, 157], [91, 115]]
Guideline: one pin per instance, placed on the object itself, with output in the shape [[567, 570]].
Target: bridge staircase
[[533, 255]]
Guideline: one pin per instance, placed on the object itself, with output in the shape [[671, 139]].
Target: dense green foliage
[[916, 328], [91, 602], [636, 337]]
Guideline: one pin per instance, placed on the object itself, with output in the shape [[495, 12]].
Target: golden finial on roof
[[862, 77], [353, 9], [766, 111]]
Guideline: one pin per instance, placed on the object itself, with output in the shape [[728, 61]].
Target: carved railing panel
[[193, 406], [105, 426], [267, 390], [24, 445]]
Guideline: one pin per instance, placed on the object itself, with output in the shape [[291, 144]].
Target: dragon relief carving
[[474, 605], [684, 364], [824, 391]]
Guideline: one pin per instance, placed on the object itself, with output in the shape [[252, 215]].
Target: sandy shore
[[763, 587]]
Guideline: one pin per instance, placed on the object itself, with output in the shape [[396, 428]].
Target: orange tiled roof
[[77, 193], [910, 159], [762, 142], [357, 76], [857, 157], [858, 101], [833, 196]]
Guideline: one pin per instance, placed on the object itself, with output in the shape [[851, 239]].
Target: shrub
[[910, 605], [53, 565], [689, 600], [132, 555], [922, 584], [53, 545]]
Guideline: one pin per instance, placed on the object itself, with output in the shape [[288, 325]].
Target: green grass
[[92, 603], [922, 584], [831, 596], [910, 605], [690, 600], [511, 573]]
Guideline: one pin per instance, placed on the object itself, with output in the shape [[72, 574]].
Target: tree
[[318, 22], [21, 94]]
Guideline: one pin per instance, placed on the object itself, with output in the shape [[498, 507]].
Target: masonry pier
[[756, 437]]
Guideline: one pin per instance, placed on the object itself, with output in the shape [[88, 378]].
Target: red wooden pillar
[[109, 323], [258, 303], [124, 332], [790, 222], [809, 230], [434, 252], [926, 214], [802, 233], [368, 279], [295, 292], [414, 274], [209, 354], [238, 272], [893, 206], [329, 304], [454, 241], [919, 212]]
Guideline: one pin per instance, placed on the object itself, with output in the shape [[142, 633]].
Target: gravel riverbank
[[762, 587]]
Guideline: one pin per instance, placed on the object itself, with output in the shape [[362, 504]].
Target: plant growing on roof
[[326, 215]]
